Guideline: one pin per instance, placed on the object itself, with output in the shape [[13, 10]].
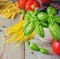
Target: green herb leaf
[[33, 16], [56, 18], [42, 16], [44, 51], [27, 16], [51, 21], [29, 29], [55, 31], [51, 10], [44, 24], [33, 46], [26, 24], [40, 30]]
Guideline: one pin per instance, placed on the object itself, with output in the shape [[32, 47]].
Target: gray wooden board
[[10, 51], [22, 52]]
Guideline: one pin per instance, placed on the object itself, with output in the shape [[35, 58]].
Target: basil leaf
[[51, 10], [40, 30], [33, 46], [44, 24], [51, 21], [42, 16], [55, 31], [44, 51], [26, 24], [27, 16], [29, 29], [33, 15], [56, 18]]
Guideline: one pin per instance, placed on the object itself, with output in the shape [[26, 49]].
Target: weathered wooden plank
[[1, 52], [10, 51], [13, 52]]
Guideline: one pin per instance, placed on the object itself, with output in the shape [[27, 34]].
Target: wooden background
[[12, 51]]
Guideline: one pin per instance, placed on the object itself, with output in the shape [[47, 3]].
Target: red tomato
[[46, 1], [21, 3], [56, 47], [32, 5]]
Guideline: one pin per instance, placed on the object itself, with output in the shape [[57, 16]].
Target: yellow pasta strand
[[15, 27]]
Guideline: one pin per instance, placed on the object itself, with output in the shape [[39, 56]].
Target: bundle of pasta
[[5, 1], [11, 10], [2, 5], [17, 33]]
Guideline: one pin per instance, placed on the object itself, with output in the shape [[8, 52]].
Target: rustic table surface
[[12, 51]]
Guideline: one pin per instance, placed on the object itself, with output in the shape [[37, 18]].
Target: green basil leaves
[[39, 20], [34, 47]]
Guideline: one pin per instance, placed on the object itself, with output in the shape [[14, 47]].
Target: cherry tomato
[[32, 5], [21, 3], [56, 47], [46, 1]]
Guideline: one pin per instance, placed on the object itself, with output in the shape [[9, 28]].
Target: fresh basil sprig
[[43, 20], [35, 47], [53, 23]]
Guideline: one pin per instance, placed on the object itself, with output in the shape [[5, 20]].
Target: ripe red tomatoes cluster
[[31, 4]]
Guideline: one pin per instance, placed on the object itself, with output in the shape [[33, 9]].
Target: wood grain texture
[[10, 51], [13, 52], [21, 52]]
